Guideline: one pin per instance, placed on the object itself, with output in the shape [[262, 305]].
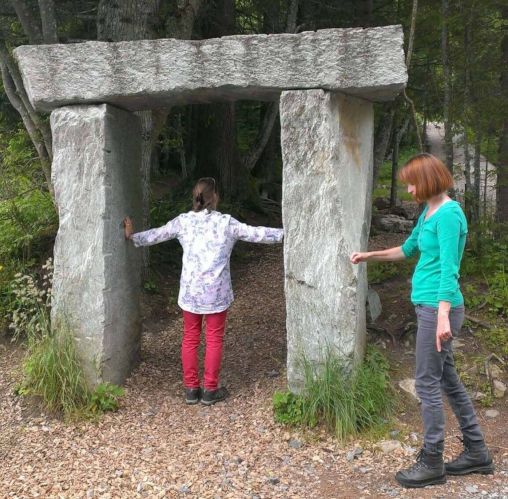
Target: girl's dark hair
[[203, 194]]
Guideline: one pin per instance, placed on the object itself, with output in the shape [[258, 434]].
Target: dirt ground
[[156, 446]]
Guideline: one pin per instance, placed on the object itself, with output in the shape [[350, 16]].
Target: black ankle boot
[[211, 397], [192, 395], [475, 458], [428, 470]]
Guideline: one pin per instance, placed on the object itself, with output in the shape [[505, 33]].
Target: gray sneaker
[[211, 397]]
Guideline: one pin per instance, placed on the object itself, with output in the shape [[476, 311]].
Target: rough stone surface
[[499, 389], [495, 371], [492, 413], [368, 63], [327, 155], [393, 223], [408, 385], [374, 307], [388, 446], [97, 272]]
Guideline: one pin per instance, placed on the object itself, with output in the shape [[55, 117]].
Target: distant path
[[435, 138]]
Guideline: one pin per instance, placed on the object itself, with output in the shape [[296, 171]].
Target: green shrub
[[288, 408], [105, 398], [345, 402]]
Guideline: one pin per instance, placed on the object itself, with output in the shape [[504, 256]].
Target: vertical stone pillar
[[327, 148], [96, 283]]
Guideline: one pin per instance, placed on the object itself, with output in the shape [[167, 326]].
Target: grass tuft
[[346, 403]]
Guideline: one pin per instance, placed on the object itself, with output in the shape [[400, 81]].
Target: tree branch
[[20, 92], [32, 130], [257, 149]]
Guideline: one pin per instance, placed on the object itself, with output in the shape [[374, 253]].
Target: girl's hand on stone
[[443, 331], [128, 227], [357, 257]]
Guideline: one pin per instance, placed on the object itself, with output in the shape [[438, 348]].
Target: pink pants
[[214, 333]]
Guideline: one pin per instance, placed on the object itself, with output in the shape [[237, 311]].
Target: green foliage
[[27, 217], [150, 287], [105, 398], [53, 372], [378, 272], [288, 408], [30, 302], [27, 214], [345, 402], [497, 339], [385, 171], [52, 369], [487, 283]]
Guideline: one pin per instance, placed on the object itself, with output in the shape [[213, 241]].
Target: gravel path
[[156, 446]]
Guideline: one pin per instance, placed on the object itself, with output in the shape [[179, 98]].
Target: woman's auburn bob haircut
[[428, 174]]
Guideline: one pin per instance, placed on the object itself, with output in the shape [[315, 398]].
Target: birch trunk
[[447, 86]]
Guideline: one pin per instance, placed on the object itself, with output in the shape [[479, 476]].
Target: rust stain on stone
[[350, 131]]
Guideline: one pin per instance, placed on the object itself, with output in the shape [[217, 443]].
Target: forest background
[[457, 52]]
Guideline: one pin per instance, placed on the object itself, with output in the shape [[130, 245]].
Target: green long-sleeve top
[[440, 239]]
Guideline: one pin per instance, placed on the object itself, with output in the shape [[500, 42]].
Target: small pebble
[[394, 433], [472, 489], [352, 454], [274, 480], [492, 413], [273, 374], [295, 444]]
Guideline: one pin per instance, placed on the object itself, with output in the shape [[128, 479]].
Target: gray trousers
[[435, 371]]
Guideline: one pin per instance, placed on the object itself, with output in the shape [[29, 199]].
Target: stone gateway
[[326, 82]]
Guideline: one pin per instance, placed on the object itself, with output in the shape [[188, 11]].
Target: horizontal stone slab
[[148, 74]]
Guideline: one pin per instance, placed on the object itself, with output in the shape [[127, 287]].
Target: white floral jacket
[[207, 238]]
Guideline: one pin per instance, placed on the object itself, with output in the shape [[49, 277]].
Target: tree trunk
[[48, 20], [468, 193], [395, 165], [29, 20], [447, 86], [502, 167], [381, 140], [181, 24], [467, 104], [398, 134], [477, 179]]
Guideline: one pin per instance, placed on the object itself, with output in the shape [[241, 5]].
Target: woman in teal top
[[439, 237]]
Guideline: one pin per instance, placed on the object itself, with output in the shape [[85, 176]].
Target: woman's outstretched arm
[[387, 255]]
